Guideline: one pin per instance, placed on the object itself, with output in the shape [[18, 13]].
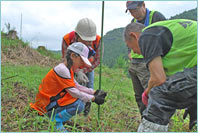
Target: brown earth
[[24, 55], [17, 105]]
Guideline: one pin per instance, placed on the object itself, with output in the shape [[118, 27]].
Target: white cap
[[82, 50], [86, 29]]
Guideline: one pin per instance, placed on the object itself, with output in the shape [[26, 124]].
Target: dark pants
[[178, 92], [139, 76]]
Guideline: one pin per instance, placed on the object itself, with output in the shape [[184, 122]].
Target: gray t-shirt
[[155, 41]]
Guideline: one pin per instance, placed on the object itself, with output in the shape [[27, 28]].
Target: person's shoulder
[[70, 33], [62, 71], [154, 30], [158, 14]]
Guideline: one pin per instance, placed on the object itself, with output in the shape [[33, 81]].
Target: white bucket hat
[[82, 50]]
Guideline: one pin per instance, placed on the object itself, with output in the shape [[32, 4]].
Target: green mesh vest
[[183, 53], [134, 55]]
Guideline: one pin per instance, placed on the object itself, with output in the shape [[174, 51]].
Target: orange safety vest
[[69, 39], [53, 85]]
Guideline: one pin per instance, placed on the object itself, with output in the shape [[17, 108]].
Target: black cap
[[133, 4]]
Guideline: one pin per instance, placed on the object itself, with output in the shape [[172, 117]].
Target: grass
[[118, 114], [11, 43], [50, 54], [19, 85]]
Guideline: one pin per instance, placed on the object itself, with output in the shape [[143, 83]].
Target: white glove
[[81, 78]]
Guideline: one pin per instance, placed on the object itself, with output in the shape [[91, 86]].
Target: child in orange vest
[[60, 91]]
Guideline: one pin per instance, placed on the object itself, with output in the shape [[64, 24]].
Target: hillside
[[191, 14], [19, 53], [22, 70], [114, 46]]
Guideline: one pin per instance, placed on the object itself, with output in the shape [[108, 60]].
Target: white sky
[[46, 22]]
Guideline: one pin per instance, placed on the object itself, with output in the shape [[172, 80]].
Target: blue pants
[[90, 76], [72, 109], [63, 114]]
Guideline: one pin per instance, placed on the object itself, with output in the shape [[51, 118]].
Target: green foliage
[[120, 62], [114, 47], [50, 54], [118, 114], [9, 43], [5, 42], [29, 76], [191, 14]]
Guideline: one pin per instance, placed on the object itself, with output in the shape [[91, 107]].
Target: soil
[[24, 55]]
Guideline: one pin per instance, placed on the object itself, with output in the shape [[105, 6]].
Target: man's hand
[[145, 98], [81, 77]]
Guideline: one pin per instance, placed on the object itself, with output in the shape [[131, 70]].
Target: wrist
[[145, 94], [93, 99], [147, 91]]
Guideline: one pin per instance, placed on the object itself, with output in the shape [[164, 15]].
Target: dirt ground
[[24, 55]]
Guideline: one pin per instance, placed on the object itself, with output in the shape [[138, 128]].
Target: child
[[60, 91]]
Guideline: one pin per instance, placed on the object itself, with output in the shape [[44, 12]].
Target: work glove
[[99, 97], [192, 111], [81, 78], [99, 100], [145, 98], [100, 93]]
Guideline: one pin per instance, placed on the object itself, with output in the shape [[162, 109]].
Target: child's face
[[77, 62]]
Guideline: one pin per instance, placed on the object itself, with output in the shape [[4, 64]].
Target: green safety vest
[[183, 52], [134, 55]]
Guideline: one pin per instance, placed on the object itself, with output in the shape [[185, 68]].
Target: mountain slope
[[114, 45], [17, 52], [191, 14]]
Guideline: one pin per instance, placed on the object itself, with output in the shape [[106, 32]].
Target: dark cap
[[133, 4]]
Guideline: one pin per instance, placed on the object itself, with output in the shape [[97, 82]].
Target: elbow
[[161, 81]]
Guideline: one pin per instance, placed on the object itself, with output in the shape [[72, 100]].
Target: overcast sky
[[46, 22]]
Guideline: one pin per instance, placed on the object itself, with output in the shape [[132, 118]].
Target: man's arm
[[157, 74]]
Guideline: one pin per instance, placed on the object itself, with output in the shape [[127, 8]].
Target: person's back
[[176, 44]]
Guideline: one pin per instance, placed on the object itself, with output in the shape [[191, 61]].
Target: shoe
[[60, 127]]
